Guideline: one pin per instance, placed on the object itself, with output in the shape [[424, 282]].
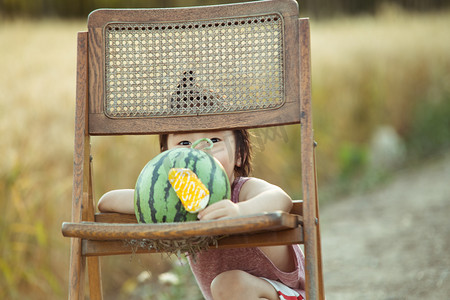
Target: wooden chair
[[149, 71]]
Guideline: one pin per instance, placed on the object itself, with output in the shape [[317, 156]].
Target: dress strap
[[236, 188]]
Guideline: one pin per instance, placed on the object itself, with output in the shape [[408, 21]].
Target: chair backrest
[[188, 69]]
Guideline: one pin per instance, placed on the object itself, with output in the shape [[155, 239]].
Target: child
[[275, 272]]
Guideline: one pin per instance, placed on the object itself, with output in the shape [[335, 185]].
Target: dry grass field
[[392, 70]]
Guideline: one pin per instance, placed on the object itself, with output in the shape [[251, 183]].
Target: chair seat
[[263, 229], [239, 225]]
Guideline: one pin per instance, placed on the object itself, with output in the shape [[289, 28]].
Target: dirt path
[[392, 243]]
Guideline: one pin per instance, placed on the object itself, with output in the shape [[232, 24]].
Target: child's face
[[224, 149]]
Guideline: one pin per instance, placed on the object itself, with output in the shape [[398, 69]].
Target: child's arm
[[256, 196], [121, 201]]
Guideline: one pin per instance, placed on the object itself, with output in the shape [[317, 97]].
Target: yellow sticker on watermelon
[[192, 192]]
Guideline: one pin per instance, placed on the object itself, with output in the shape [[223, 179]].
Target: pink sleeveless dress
[[208, 264]]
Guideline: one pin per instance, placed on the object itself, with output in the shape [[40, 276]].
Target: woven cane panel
[[194, 68]]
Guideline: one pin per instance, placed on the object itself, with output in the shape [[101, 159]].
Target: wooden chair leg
[[77, 271], [321, 293], [95, 279]]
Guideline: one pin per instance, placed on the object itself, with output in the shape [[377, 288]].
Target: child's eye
[[184, 143], [215, 140]]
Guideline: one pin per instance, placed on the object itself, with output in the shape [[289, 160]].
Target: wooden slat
[[99, 124], [272, 238], [239, 225], [115, 218], [297, 209]]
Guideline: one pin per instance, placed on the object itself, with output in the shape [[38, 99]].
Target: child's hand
[[219, 210]]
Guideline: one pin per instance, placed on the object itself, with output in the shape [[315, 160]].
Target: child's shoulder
[[253, 182]]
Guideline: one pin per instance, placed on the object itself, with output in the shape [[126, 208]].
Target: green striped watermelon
[[155, 200]]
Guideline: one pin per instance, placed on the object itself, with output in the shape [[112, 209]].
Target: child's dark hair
[[243, 151]]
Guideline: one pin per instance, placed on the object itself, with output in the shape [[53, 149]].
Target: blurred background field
[[381, 102]]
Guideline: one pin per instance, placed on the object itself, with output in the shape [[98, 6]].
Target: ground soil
[[392, 242]]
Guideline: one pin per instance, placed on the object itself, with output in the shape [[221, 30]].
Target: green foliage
[[352, 160], [430, 131]]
